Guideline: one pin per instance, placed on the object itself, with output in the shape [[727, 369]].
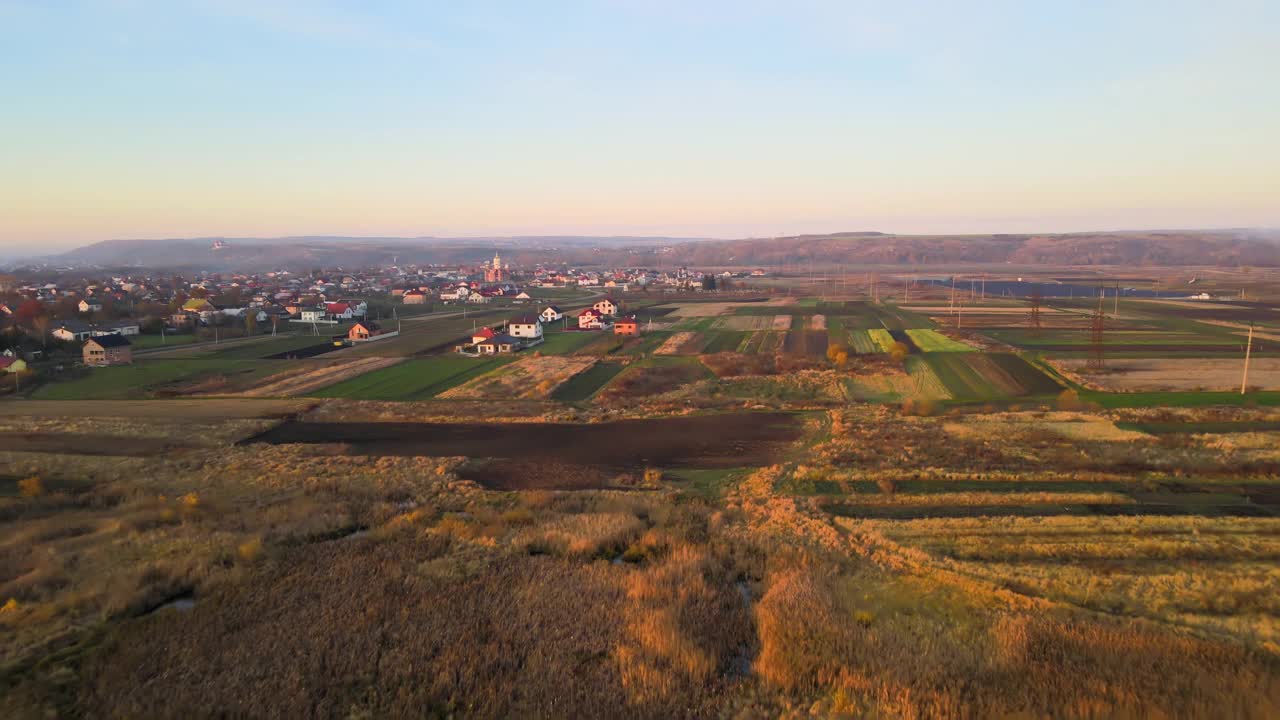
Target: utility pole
[[1116, 312], [1035, 311], [1096, 329], [953, 294], [984, 286], [1248, 348]]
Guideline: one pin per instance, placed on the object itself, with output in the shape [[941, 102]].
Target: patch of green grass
[[1199, 428], [1181, 399], [961, 379], [881, 339], [414, 379], [564, 342], [705, 483], [586, 383], [145, 342], [934, 341]]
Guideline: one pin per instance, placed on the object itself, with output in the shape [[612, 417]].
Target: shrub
[[31, 487], [1069, 400], [250, 550]]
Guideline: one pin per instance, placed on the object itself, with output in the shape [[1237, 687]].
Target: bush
[[1069, 400], [31, 487]]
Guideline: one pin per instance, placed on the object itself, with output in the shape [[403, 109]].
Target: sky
[[742, 118]]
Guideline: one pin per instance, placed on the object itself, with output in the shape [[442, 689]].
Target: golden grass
[[531, 378]]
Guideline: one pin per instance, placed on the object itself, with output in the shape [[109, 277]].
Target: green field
[[434, 335], [145, 377], [414, 379], [862, 343], [586, 383], [564, 342], [881, 339], [146, 342], [251, 350], [934, 341]]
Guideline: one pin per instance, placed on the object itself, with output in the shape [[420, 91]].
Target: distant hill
[[334, 251], [1173, 247], [1131, 248]]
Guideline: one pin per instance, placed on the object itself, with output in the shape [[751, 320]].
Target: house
[[339, 310], [414, 297], [525, 326], [522, 297], [481, 335], [626, 326], [499, 344], [87, 306], [607, 306], [120, 328], [364, 330], [72, 330], [592, 319], [477, 298], [107, 350], [551, 313], [12, 364], [314, 315]]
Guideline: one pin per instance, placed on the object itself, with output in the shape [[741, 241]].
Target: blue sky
[[218, 117]]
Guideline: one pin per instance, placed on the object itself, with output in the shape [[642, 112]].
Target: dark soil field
[[554, 455], [86, 444], [806, 342]]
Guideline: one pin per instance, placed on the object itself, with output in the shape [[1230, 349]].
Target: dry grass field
[[1132, 374], [530, 378], [891, 560]]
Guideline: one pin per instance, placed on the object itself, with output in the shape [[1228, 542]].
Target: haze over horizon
[[219, 118]]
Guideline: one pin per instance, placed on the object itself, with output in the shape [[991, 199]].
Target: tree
[[899, 352], [708, 282], [41, 324], [250, 322], [29, 310]]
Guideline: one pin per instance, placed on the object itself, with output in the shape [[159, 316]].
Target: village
[[55, 318]]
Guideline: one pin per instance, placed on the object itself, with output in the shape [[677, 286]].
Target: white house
[[86, 306], [477, 299], [523, 297], [313, 315], [72, 330], [606, 306], [525, 326], [340, 310], [591, 319], [551, 313]]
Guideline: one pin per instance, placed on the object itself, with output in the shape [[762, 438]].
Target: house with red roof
[[592, 319]]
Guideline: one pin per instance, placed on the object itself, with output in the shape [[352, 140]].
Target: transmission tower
[[1096, 361], [1034, 317]]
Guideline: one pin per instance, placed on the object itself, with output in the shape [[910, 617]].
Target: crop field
[[414, 379], [804, 341], [528, 378], [158, 378], [585, 384], [565, 342], [882, 339], [980, 376], [654, 377], [432, 335], [1176, 374], [934, 341]]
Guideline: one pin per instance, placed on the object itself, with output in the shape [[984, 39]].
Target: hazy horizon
[[728, 120]]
